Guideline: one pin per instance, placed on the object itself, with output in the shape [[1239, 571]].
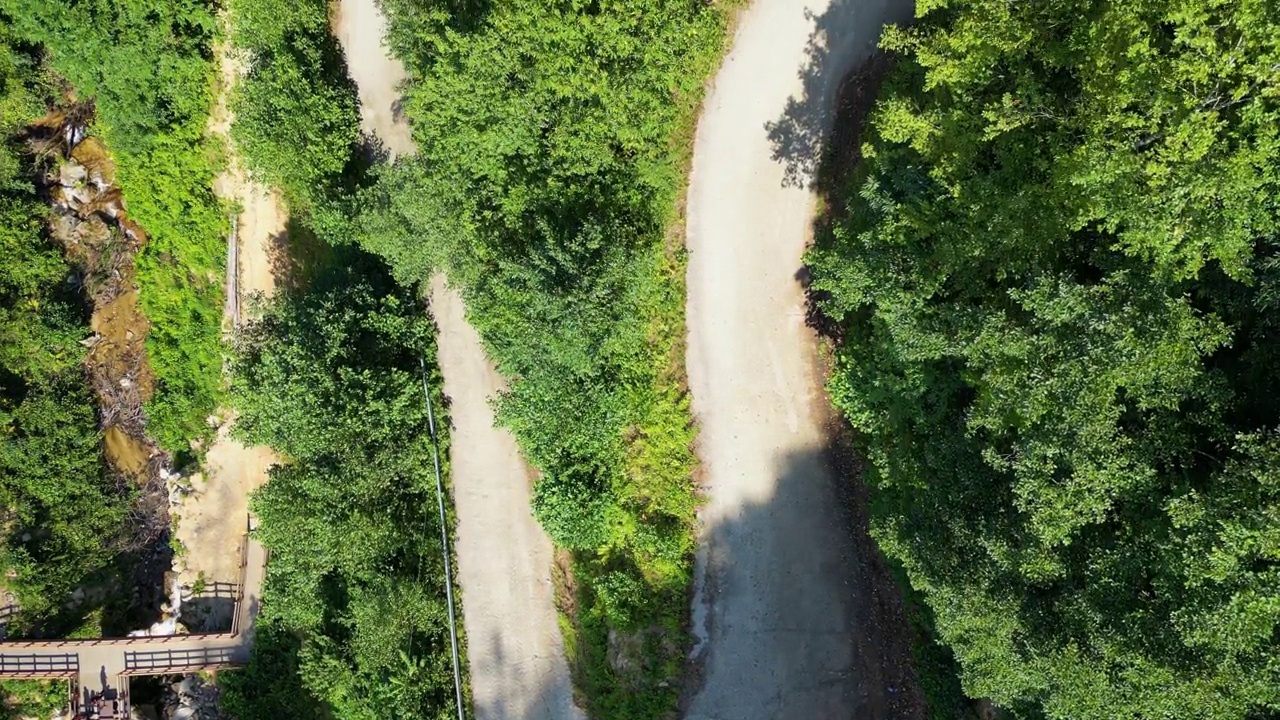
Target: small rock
[[71, 174]]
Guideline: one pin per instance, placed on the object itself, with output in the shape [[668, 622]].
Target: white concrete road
[[776, 603], [515, 653]]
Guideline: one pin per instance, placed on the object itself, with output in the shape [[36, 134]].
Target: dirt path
[[780, 603], [211, 518], [360, 28], [514, 648], [262, 222], [518, 669]]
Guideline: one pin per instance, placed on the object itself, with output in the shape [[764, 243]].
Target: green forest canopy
[[551, 141], [1057, 282]]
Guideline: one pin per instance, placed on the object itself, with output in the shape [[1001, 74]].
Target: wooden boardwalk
[[103, 666]]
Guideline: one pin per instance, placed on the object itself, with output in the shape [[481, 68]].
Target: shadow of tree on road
[[799, 137], [545, 702], [804, 619]]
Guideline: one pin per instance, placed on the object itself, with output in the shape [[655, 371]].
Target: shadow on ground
[[809, 634], [543, 704], [212, 609], [854, 662], [800, 135]]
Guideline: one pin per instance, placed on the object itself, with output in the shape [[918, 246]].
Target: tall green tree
[[331, 377], [1056, 282], [297, 115]]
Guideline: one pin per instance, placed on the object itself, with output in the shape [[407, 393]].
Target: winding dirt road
[[514, 648], [780, 600]]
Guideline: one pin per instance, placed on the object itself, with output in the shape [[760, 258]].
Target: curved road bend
[[776, 610], [514, 649]]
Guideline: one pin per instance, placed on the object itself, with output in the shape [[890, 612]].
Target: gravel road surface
[[518, 668], [777, 611], [514, 649]]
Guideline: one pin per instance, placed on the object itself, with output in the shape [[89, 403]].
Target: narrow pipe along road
[[778, 606], [514, 650]]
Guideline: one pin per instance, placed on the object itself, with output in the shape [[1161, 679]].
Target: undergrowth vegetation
[[1056, 286], [62, 509], [147, 66], [553, 139], [32, 698]]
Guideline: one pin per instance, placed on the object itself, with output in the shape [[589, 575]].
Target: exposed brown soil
[[91, 224], [124, 452], [213, 513]]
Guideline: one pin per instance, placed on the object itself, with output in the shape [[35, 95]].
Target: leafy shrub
[[297, 116], [621, 595], [572, 511], [551, 141]]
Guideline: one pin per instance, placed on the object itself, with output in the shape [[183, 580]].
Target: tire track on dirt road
[[515, 652], [782, 603]]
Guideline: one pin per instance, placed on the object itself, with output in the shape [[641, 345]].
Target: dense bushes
[[551, 142], [147, 66], [297, 117], [62, 511], [331, 378], [1056, 283]]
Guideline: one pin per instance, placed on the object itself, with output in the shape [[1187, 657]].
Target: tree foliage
[[331, 377], [297, 116], [1056, 283], [355, 621], [551, 138]]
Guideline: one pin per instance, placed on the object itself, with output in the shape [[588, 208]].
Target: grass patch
[[32, 698]]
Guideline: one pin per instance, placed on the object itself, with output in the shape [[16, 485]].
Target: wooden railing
[[41, 665], [142, 655], [164, 662]]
